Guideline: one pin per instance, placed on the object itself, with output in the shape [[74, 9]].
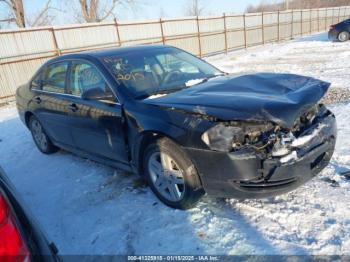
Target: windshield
[[158, 71]]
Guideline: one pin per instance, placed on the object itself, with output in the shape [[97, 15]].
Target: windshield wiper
[[170, 90]]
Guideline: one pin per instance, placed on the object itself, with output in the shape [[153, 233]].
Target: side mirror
[[96, 93]]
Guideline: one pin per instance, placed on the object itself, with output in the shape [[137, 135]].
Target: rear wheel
[[343, 36], [172, 176], [41, 140]]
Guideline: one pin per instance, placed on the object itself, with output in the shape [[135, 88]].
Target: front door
[[96, 126]]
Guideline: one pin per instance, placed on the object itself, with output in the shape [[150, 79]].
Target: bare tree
[[7, 20], [17, 10], [43, 17], [194, 8], [18, 14], [97, 10]]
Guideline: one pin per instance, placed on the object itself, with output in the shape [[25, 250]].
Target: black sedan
[[184, 125], [340, 32], [20, 236]]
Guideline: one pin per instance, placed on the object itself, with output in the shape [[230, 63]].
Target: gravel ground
[[336, 95]]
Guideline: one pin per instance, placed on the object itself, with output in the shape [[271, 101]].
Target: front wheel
[[343, 36], [172, 176]]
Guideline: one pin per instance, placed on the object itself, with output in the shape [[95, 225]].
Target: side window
[[54, 77], [84, 77], [36, 82]]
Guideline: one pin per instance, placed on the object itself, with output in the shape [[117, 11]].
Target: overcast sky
[[146, 9]]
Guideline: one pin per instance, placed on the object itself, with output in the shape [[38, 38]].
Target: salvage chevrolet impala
[[184, 125]]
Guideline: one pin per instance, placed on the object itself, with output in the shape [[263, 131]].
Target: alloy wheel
[[39, 135], [343, 36], [166, 176]]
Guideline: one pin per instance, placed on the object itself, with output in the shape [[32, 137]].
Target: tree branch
[[107, 13], [43, 15]]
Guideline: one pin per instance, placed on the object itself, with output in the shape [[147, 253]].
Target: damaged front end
[[260, 159]]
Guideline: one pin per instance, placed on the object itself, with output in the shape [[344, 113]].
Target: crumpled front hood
[[280, 98]]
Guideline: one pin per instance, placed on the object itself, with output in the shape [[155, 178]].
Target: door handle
[[73, 107], [37, 99]]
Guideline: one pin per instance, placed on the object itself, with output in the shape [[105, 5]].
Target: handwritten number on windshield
[[131, 76]]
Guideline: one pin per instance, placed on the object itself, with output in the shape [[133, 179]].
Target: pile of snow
[[194, 82], [156, 96]]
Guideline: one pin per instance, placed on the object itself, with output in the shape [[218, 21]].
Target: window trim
[[50, 92]]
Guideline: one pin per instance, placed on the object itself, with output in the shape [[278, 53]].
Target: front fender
[[145, 131], [146, 123]]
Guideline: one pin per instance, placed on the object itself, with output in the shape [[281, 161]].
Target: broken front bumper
[[244, 175]]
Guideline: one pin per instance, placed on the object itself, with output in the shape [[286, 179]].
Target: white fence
[[22, 51]]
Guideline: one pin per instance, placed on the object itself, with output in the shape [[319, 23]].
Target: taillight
[[12, 245], [332, 27]]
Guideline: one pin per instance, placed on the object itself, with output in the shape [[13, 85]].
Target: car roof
[[109, 52]]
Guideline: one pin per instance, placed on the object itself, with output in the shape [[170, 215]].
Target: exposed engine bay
[[272, 141]]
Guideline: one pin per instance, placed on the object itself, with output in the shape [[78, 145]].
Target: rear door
[[51, 100], [96, 126]]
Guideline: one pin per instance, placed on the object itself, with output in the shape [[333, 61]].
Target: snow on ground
[[313, 56], [88, 208]]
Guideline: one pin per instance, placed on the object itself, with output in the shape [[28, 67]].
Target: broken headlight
[[222, 138], [236, 135]]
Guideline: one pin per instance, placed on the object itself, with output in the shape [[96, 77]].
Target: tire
[[42, 141], [343, 36], [178, 184]]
